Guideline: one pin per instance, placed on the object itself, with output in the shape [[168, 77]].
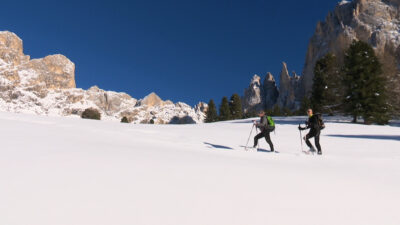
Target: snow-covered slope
[[69, 171]]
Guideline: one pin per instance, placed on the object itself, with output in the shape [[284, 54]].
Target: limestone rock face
[[261, 96], [151, 100], [11, 51], [53, 72], [253, 96], [376, 22], [202, 107], [46, 86], [39, 75], [288, 89], [270, 91]]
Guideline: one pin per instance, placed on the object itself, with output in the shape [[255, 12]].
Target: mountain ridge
[[47, 86]]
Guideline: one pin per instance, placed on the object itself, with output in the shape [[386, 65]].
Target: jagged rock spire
[[252, 99], [271, 92]]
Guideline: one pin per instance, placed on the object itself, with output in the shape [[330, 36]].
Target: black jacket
[[312, 123]]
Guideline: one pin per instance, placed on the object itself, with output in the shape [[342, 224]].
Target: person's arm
[[302, 128], [306, 127]]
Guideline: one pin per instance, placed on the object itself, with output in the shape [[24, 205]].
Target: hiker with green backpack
[[266, 126]]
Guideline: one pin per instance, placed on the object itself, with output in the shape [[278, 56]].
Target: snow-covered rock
[[47, 87]]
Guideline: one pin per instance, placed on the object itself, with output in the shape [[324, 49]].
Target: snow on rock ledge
[[47, 86]]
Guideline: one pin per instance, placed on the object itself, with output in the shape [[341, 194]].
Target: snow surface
[[70, 171]]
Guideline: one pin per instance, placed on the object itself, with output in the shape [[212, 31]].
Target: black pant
[[264, 133], [313, 134]]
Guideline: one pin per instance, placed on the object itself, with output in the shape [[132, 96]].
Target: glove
[[301, 128], [254, 122]]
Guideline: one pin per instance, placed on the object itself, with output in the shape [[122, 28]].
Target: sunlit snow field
[[69, 171]]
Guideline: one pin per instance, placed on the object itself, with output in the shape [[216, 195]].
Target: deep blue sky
[[184, 50]]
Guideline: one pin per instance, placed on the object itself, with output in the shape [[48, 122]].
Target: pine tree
[[326, 90], [224, 111], [304, 106], [211, 114], [365, 89], [276, 111], [124, 120], [235, 106]]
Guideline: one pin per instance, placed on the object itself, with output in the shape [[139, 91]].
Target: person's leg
[[308, 136], [316, 139], [258, 136], [268, 139]]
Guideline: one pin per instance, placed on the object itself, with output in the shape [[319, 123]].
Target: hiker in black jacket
[[315, 131], [265, 129]]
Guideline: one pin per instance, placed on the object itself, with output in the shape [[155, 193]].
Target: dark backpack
[[321, 124]]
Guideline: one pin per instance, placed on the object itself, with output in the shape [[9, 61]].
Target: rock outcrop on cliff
[[288, 89], [270, 91], [261, 96], [253, 96], [376, 22], [47, 86]]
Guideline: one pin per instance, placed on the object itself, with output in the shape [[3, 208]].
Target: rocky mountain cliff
[[265, 95], [376, 22], [47, 87]]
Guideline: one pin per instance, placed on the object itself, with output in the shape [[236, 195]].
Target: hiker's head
[[309, 112], [261, 113]]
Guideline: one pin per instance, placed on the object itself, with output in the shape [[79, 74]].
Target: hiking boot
[[312, 149], [319, 153]]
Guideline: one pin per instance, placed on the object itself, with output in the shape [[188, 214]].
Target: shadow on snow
[[217, 146]]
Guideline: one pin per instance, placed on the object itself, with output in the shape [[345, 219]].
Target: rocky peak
[[55, 71], [11, 50], [269, 78], [284, 75], [270, 91], [151, 100], [39, 75], [10, 40], [288, 89], [252, 99]]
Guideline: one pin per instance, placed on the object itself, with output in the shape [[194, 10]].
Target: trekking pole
[[258, 143], [249, 136], [301, 140]]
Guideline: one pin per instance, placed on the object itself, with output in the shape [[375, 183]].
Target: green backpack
[[270, 121]]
